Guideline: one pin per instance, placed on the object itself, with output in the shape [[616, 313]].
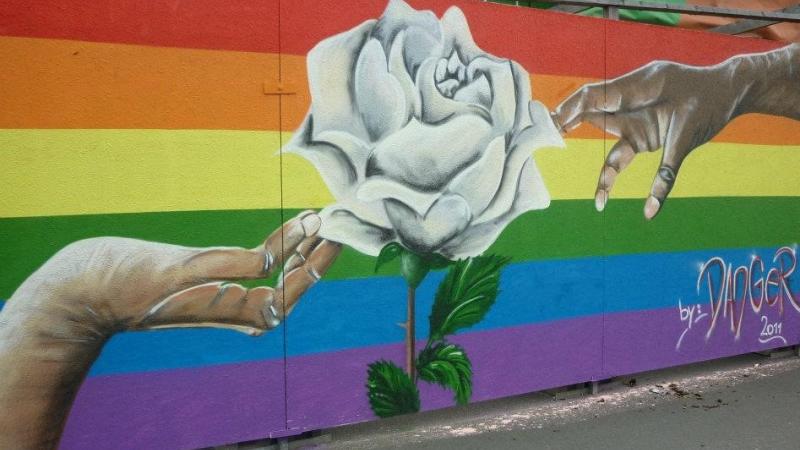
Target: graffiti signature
[[730, 290]]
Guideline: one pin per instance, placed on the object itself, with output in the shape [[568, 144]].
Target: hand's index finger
[[678, 144], [298, 280], [618, 158], [283, 242], [570, 113]]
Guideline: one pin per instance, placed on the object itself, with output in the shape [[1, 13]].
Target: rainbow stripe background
[[151, 121]]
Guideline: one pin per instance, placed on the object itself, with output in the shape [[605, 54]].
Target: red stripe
[[544, 42], [631, 45], [245, 25], [535, 39]]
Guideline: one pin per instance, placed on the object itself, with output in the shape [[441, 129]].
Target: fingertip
[[600, 200], [311, 224], [651, 207], [554, 116], [334, 244], [327, 251]]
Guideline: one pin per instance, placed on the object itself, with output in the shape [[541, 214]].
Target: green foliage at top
[[656, 17], [466, 294]]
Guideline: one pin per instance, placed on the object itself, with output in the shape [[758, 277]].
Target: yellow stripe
[[59, 172], [713, 170], [63, 172]]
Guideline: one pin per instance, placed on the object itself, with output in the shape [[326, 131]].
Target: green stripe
[[656, 17], [568, 229]]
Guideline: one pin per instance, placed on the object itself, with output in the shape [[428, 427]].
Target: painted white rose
[[422, 137]]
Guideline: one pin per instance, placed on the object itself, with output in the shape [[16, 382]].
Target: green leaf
[[437, 261], [466, 294], [390, 390], [447, 365], [389, 252], [413, 267]]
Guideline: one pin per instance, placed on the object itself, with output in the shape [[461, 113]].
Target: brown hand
[[661, 105]]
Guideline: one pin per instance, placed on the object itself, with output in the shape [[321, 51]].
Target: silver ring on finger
[[269, 260], [270, 316], [313, 273], [667, 174]]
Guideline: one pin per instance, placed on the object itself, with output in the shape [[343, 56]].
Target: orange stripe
[[73, 84], [750, 129]]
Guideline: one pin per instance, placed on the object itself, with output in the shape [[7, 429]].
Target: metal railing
[[751, 19]]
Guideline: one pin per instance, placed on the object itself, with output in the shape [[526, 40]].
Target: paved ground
[[747, 402]]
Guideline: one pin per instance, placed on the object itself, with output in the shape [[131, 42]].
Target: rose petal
[[426, 157], [379, 96], [448, 217], [356, 150], [397, 68], [441, 71], [423, 34], [541, 134], [522, 86], [399, 16], [448, 87], [453, 63], [330, 79], [457, 35], [478, 183], [479, 237], [478, 92], [435, 106], [418, 47], [331, 161], [339, 224], [367, 211], [501, 78], [506, 192], [381, 188]]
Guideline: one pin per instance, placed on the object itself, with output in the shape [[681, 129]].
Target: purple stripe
[[178, 409], [328, 389], [646, 340], [192, 408]]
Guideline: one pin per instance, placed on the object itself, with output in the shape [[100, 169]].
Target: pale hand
[[56, 323]]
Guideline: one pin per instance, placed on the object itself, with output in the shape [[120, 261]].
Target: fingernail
[[651, 207], [600, 200], [311, 224], [556, 122]]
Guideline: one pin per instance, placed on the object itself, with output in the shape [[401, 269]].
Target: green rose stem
[[410, 335], [464, 296], [414, 268]]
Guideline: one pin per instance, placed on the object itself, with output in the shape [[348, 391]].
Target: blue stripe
[[344, 314]]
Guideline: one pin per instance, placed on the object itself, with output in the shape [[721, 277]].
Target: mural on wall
[[426, 144]]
